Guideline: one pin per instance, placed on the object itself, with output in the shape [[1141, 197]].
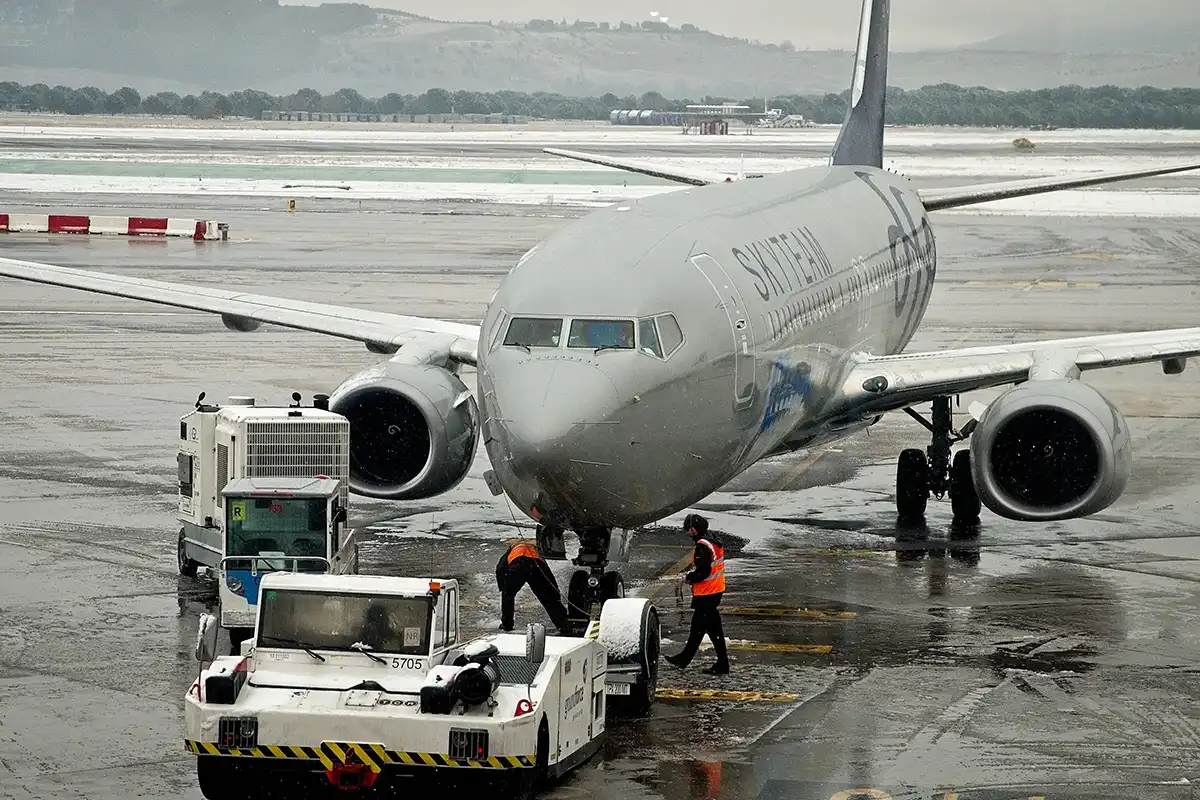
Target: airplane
[[640, 358]]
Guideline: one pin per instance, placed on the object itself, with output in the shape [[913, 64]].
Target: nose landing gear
[[593, 583]]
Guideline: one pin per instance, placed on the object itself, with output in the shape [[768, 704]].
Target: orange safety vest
[[522, 549], [715, 582]]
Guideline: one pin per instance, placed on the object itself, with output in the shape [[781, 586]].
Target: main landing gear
[[921, 474], [593, 583]]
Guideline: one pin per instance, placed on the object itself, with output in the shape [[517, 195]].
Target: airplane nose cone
[[548, 406]]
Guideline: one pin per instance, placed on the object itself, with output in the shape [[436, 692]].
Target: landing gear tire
[[583, 598], [579, 604], [612, 585], [912, 485], [964, 500], [187, 567]]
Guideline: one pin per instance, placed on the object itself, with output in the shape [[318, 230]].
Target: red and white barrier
[[198, 229]]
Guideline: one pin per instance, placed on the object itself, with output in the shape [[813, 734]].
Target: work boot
[[717, 669], [506, 628], [675, 661]]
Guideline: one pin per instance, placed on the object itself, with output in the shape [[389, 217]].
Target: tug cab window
[[533, 332], [601, 333]]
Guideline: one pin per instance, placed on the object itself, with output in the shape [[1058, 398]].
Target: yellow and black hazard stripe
[[288, 752], [374, 756]]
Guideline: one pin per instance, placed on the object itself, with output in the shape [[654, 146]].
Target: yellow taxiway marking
[[807, 613], [1096, 256], [845, 551], [1027, 285], [659, 588], [726, 694], [763, 647], [799, 468]]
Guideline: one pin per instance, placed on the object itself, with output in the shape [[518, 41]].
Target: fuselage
[[643, 356]]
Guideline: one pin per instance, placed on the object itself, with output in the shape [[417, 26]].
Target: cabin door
[[739, 327]]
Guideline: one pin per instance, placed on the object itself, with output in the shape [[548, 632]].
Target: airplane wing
[[656, 170], [241, 311], [933, 199], [889, 383], [939, 199]]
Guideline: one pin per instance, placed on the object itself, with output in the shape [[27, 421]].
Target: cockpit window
[[596, 333], [534, 332], [648, 338], [669, 334]]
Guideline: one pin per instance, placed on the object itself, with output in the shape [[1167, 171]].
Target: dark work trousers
[[706, 619], [537, 574]]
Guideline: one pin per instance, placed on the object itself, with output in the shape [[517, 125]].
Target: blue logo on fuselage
[[787, 385]]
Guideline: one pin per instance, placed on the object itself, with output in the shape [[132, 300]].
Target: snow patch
[[621, 627], [207, 621]]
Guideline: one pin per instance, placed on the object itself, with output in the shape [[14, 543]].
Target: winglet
[[860, 142]]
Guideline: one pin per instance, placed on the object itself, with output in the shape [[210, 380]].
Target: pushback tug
[[361, 680]]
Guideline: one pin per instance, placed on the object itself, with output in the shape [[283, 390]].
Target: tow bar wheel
[[629, 631]]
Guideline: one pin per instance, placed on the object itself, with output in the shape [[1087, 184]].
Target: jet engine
[[413, 430], [1049, 450]]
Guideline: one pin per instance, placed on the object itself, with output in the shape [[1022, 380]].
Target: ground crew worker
[[520, 564], [707, 579]]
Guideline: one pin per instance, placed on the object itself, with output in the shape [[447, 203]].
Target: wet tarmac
[[1011, 661]]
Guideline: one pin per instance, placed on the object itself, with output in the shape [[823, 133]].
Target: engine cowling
[[1049, 450], [413, 430]]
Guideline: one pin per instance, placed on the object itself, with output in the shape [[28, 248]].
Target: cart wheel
[[541, 769], [187, 567], [222, 779]]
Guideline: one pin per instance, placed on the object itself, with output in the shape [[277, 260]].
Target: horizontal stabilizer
[[655, 170], [940, 199]]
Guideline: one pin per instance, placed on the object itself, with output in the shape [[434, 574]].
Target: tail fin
[[860, 142]]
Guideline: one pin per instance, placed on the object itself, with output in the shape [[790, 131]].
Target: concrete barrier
[[197, 229]]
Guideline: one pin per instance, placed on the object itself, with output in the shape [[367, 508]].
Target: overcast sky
[[822, 23]]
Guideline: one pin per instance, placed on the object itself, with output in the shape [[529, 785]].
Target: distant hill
[[1086, 38], [250, 43]]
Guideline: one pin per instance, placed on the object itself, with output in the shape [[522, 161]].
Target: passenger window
[[533, 332], [669, 335], [597, 333], [648, 338]]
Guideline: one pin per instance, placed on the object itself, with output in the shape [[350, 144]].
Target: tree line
[[943, 104]]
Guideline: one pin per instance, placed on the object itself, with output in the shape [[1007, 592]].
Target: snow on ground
[[528, 194], [573, 135], [1074, 203], [1002, 164]]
